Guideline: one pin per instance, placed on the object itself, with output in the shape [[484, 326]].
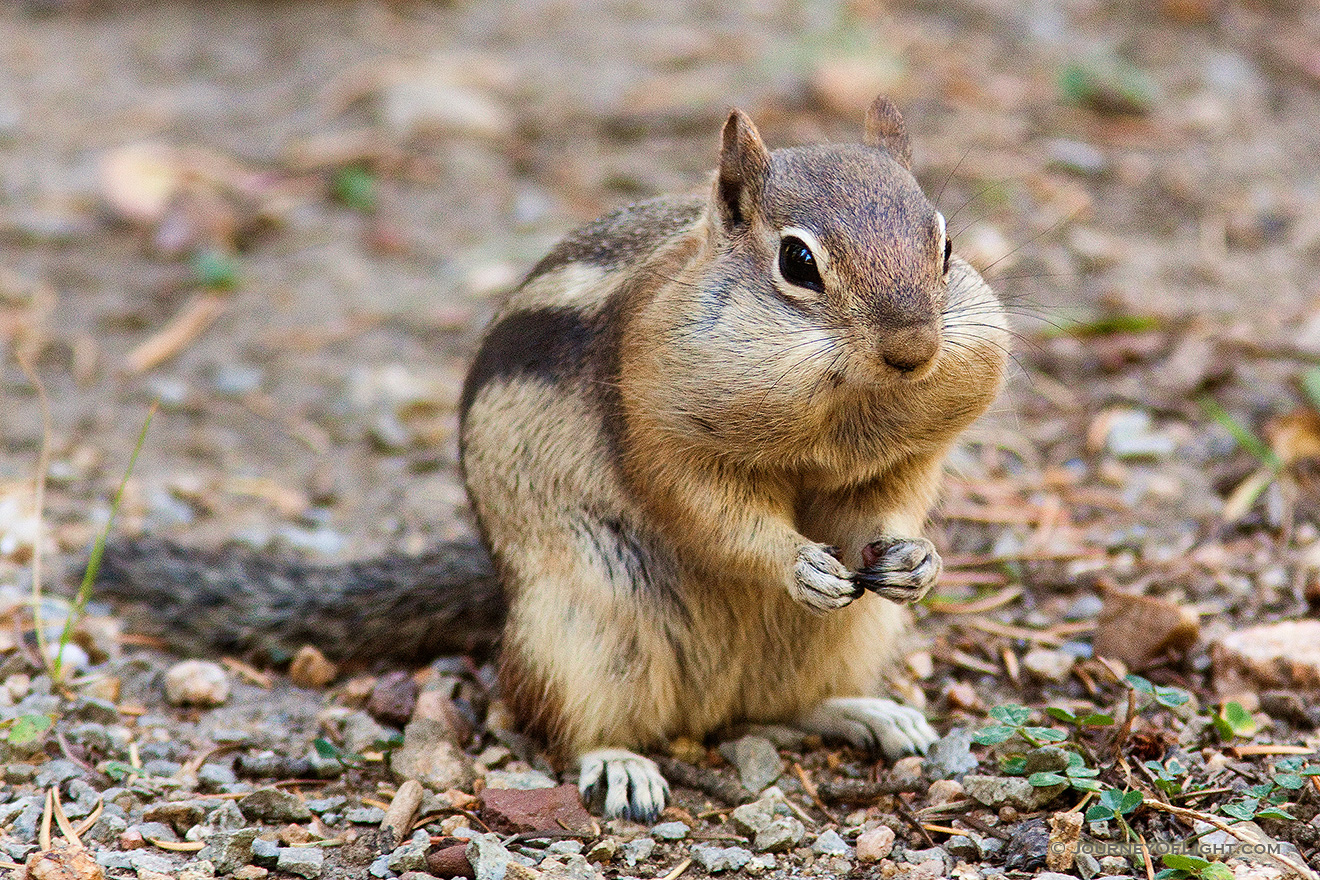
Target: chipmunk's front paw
[[821, 581], [900, 569]]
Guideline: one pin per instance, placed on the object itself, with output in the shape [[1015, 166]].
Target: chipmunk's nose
[[910, 348]]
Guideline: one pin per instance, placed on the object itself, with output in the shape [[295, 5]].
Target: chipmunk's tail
[[263, 606]]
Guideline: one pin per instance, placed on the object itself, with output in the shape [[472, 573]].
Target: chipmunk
[[701, 440]]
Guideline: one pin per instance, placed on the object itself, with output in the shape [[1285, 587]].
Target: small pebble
[[670, 831], [717, 859], [945, 791], [875, 844], [364, 815], [305, 861], [638, 850], [197, 683], [829, 843]]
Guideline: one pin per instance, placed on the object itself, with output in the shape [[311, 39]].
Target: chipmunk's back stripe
[[622, 236], [546, 344]]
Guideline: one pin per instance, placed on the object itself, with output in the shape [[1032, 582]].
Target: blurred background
[[289, 221]]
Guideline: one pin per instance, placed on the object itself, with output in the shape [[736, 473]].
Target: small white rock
[[197, 683], [1048, 664], [872, 846]]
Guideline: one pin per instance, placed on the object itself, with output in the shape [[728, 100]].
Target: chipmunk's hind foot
[[873, 723], [622, 784]]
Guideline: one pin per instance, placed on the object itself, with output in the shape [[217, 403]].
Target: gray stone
[[364, 815], [951, 755], [670, 831], [265, 853], [114, 861], [1014, 791], [305, 861], [107, 828], [226, 817], [749, 819], [9, 811], [274, 805], [638, 850], [488, 857], [570, 867], [197, 683], [161, 768], [142, 860], [20, 851], [412, 855], [228, 850], [780, 735], [1047, 759], [361, 731], [1076, 156], [19, 773], [964, 847], [1132, 435], [320, 806], [96, 710], [1114, 865], [24, 826], [57, 772], [829, 843], [573, 847], [180, 815], [430, 757], [933, 853], [323, 767], [156, 831], [261, 765], [1084, 607], [96, 737], [781, 835], [717, 859], [757, 761], [80, 789], [381, 867], [198, 870]]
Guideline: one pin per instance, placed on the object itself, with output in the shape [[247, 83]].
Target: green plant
[[355, 186], [1077, 775], [98, 550], [1013, 720], [24, 729], [214, 269], [1180, 866], [1311, 386], [1266, 801], [1116, 805], [328, 750], [1232, 721], [1090, 719], [1169, 777], [1166, 695]]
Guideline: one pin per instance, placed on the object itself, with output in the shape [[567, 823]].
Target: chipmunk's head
[[843, 235], [824, 314]]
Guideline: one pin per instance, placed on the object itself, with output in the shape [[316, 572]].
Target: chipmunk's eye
[[798, 264], [948, 252]]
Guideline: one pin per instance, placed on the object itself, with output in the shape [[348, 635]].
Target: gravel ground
[[287, 222]]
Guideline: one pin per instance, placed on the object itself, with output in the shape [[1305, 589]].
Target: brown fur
[[648, 486]]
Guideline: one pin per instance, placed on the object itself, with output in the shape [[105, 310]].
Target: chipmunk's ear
[[744, 164], [885, 129]]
